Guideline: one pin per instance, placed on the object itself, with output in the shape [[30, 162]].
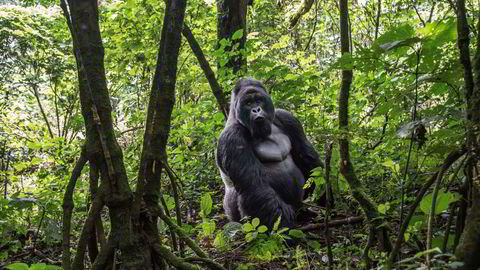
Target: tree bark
[[231, 17], [469, 245]]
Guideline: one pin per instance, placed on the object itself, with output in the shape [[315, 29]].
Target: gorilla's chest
[[274, 148]]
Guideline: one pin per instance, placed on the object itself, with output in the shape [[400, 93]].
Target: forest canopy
[[111, 111]]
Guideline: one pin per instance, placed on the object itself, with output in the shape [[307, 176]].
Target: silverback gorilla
[[264, 158]]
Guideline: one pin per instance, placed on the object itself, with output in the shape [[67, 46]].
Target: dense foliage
[[406, 110]]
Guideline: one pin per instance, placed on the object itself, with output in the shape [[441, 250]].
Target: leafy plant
[[35, 266], [208, 225]]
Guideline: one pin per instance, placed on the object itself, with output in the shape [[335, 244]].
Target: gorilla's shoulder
[[283, 113], [286, 119], [234, 131]]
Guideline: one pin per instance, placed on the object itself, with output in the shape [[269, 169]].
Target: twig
[[211, 263], [173, 260], [449, 225], [177, 202], [314, 26], [328, 158], [333, 223]]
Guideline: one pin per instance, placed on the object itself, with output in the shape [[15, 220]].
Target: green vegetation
[[107, 143]]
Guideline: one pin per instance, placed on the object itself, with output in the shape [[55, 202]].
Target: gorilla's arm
[[303, 153], [236, 157]]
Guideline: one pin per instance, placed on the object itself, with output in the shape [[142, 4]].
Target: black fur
[[257, 190]]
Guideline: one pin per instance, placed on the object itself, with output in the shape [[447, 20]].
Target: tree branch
[[451, 158], [68, 208], [302, 10], [207, 70]]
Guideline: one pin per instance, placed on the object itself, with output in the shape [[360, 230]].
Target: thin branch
[[130, 130], [328, 188], [68, 207], [451, 158], [88, 229], [414, 116], [332, 223], [419, 16], [44, 115], [431, 214], [173, 184], [208, 262], [157, 210], [377, 19], [431, 12], [314, 26], [302, 10], [173, 260], [453, 206], [207, 70]]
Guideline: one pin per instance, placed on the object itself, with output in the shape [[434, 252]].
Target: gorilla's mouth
[[259, 120], [261, 127]]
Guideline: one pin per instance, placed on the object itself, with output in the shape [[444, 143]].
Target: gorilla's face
[[254, 110]]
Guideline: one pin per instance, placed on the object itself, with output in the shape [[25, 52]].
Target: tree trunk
[[134, 235], [231, 17], [346, 167], [469, 245]]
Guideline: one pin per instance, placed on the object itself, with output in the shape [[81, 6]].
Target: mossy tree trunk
[[346, 166], [133, 223]]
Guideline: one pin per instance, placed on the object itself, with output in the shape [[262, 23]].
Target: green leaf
[[247, 227], [318, 171], [255, 222], [296, 233], [238, 34], [218, 117], [262, 229], [232, 228], [277, 223], [443, 200], [399, 43], [290, 77], [38, 266], [346, 61], [251, 236], [383, 208], [53, 267], [402, 32], [206, 204], [406, 236], [169, 201], [208, 227], [219, 241], [314, 244], [17, 266]]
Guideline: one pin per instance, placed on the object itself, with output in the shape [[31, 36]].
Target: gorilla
[[264, 158]]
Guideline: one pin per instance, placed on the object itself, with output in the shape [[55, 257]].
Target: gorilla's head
[[252, 107]]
